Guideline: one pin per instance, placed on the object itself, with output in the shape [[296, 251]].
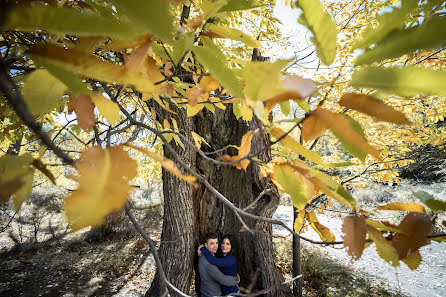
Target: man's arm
[[222, 279], [227, 261]]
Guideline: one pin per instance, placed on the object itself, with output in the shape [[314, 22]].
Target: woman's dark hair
[[219, 253]]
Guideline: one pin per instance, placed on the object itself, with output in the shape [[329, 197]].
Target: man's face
[[212, 245]]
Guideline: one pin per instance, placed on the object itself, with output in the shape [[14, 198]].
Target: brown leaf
[[415, 227], [355, 230], [373, 107], [342, 126], [42, 168], [84, 109], [10, 187]]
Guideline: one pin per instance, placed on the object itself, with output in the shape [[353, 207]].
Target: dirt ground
[[118, 265]]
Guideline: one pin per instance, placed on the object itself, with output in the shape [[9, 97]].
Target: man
[[211, 277]]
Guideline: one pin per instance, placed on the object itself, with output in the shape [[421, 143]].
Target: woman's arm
[[227, 261]]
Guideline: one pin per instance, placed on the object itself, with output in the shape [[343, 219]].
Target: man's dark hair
[[210, 235]]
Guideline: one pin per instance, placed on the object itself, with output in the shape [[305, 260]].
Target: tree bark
[[191, 213]]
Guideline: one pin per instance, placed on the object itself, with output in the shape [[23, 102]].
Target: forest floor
[[121, 265]]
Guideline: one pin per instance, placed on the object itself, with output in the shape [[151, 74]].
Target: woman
[[227, 263]]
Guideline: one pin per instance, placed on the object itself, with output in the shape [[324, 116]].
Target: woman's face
[[226, 246]]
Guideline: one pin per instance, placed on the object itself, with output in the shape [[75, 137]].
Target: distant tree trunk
[[191, 213]]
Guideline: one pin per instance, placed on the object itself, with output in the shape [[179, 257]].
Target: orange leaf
[[312, 128], [138, 56], [373, 107], [208, 84], [103, 186], [167, 68], [84, 109], [355, 230], [416, 228], [342, 126], [416, 207], [153, 72]]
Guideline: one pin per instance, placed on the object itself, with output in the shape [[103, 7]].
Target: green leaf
[[403, 81], [72, 81], [429, 35], [285, 107], [233, 34], [153, 15], [233, 5], [430, 201], [212, 58], [262, 79], [293, 183], [41, 91], [352, 149], [322, 26], [181, 45], [63, 20], [388, 23]]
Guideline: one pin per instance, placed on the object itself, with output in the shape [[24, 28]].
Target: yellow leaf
[[167, 164], [234, 34], [355, 230], [403, 207], [342, 126], [198, 140], [324, 233], [42, 91], [298, 223], [106, 107], [246, 111], [373, 107], [384, 247], [413, 260], [103, 188], [118, 45], [293, 145], [25, 190], [91, 66], [381, 226], [193, 110]]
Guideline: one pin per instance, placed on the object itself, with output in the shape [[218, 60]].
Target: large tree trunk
[[191, 213]]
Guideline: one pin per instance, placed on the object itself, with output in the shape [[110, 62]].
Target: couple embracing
[[218, 275]]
